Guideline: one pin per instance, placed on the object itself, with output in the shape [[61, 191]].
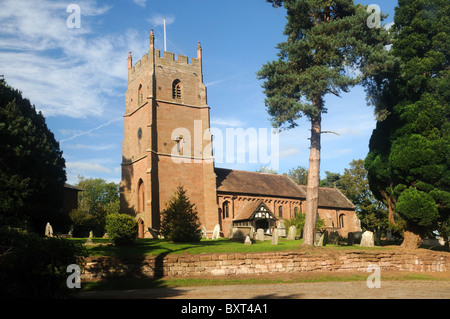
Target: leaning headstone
[[216, 232], [281, 229], [275, 238], [260, 234], [70, 234], [323, 239], [48, 230], [247, 240], [153, 232], [292, 232], [367, 239]]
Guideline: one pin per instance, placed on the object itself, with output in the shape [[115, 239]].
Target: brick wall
[[264, 263]]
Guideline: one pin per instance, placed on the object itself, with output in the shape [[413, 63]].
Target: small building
[[70, 198], [260, 200]]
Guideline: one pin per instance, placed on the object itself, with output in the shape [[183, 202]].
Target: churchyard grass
[[142, 247]]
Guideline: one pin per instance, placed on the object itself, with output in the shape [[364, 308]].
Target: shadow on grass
[[123, 271]]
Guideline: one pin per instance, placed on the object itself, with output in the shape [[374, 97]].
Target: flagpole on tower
[[165, 45]]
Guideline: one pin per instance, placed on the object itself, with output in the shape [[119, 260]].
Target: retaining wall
[[187, 265]]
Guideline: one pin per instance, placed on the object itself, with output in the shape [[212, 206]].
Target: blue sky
[[77, 77]]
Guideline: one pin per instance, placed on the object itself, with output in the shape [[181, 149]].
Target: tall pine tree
[[326, 42]]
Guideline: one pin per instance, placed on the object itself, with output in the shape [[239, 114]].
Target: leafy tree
[[32, 169], [331, 180], [326, 41], [299, 175], [355, 186], [409, 149], [98, 199], [266, 169], [180, 221]]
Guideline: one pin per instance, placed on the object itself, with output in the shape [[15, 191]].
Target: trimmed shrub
[[122, 229]]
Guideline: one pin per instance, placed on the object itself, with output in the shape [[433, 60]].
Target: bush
[[122, 229], [417, 207], [35, 267], [299, 222], [180, 221]]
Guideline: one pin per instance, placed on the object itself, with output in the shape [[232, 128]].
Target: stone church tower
[[166, 138]]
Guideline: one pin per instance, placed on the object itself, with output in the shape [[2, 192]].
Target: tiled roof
[[243, 182], [264, 184]]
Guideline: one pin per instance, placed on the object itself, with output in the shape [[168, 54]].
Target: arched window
[[295, 211], [280, 211], [176, 90], [225, 210], [141, 197], [341, 220], [140, 95]]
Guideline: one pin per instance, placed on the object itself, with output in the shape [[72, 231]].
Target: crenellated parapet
[[167, 59]]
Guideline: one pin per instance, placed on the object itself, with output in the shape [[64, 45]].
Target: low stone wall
[[186, 265]]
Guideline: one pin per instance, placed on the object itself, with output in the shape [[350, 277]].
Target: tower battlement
[[167, 59]]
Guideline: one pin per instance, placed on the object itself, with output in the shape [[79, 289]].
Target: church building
[[165, 146]]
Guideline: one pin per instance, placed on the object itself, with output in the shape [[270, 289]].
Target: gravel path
[[326, 290]]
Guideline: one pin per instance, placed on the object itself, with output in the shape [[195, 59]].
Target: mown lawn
[[143, 247]]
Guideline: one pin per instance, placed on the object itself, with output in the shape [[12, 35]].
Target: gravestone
[[48, 230], [275, 238], [70, 234], [389, 234], [247, 240], [367, 239], [281, 229], [320, 241], [204, 232], [216, 232], [153, 232], [260, 234], [89, 240], [292, 233], [350, 239]]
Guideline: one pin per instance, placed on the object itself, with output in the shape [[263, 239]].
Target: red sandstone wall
[[186, 265]]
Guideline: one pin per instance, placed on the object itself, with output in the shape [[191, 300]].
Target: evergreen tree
[[32, 169], [180, 221], [409, 150], [326, 41]]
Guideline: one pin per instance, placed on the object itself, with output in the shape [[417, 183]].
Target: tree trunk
[[312, 196], [412, 237]]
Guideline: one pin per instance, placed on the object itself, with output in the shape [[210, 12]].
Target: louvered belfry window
[[176, 90]]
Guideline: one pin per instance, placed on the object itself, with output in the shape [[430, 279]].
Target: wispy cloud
[[64, 71], [81, 167], [229, 122], [81, 133], [103, 147], [140, 3]]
